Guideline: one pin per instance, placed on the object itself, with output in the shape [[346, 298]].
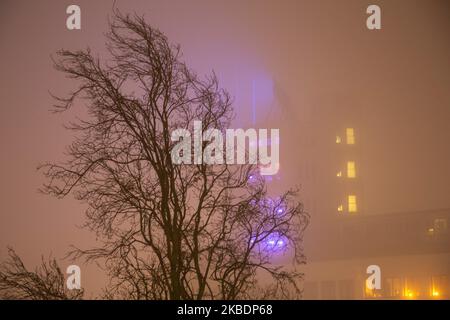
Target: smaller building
[[411, 248]]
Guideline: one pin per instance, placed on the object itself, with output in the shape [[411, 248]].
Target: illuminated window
[[338, 139], [440, 224], [350, 135], [352, 207], [439, 227], [413, 287], [409, 294], [371, 293], [439, 286], [351, 170], [339, 174], [340, 208]]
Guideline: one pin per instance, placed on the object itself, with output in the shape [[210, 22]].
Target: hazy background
[[305, 57]]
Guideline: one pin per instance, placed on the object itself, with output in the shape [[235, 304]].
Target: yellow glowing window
[[438, 286], [340, 208], [351, 170], [339, 174], [350, 135], [409, 294], [352, 207], [338, 139]]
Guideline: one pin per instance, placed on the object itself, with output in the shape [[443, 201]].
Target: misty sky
[[309, 59]]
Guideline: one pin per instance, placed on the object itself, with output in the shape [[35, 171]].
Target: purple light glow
[[274, 242], [255, 96], [272, 205]]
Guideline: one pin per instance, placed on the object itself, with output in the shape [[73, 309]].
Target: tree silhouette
[[190, 231], [46, 282]]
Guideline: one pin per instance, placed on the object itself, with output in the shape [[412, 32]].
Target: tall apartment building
[[346, 237]]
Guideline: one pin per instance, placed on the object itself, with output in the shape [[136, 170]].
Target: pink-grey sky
[[318, 55]]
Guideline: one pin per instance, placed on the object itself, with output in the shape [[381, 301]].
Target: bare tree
[[167, 231], [46, 282]]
